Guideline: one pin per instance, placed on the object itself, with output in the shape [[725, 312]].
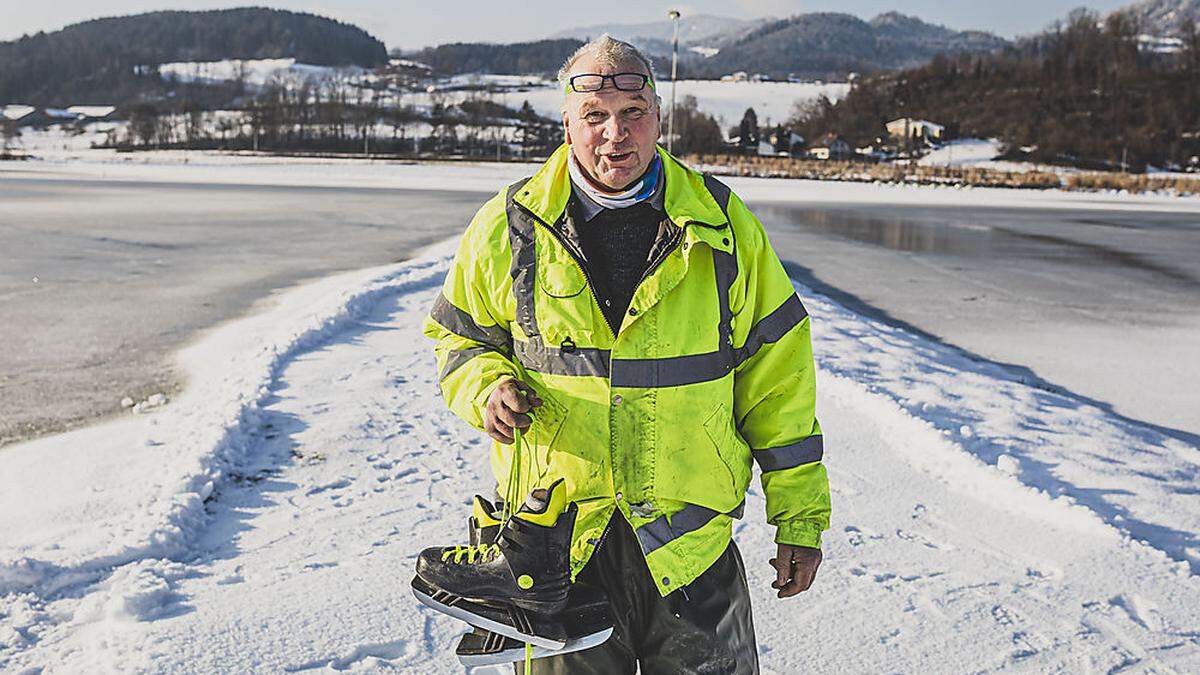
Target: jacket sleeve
[[469, 319], [775, 387]]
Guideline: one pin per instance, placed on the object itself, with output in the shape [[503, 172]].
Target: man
[[628, 314]]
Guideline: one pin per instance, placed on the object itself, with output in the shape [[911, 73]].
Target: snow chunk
[[1009, 465]]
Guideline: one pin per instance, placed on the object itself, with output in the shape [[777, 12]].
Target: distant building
[[739, 76], [16, 112], [92, 112], [907, 128], [831, 147]]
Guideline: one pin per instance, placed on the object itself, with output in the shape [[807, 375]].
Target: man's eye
[[594, 116], [635, 113]]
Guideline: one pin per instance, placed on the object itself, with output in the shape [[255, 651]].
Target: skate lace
[[473, 554]]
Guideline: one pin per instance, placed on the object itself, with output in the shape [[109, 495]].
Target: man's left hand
[[795, 568]]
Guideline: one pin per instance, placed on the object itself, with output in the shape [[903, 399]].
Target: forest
[[1085, 93]]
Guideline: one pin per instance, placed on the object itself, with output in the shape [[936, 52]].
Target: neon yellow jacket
[[712, 366]]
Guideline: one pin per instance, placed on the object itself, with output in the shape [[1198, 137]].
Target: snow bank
[[160, 471]]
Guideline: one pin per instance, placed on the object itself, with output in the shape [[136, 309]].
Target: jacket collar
[[686, 201]]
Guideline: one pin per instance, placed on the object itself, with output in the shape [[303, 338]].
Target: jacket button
[[632, 311], [666, 581], [620, 496], [617, 399]]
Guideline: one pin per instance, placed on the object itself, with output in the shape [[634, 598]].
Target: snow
[[268, 518], [92, 110], [15, 111], [726, 101], [256, 71]]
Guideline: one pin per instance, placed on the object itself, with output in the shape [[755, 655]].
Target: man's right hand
[[506, 408]]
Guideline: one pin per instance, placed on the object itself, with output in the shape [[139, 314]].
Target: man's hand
[[506, 408], [795, 568]]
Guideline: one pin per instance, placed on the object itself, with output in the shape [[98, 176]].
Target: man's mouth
[[618, 157]]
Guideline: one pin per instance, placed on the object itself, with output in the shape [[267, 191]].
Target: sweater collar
[[589, 207]]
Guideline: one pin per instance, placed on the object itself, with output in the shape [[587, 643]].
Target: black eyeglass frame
[[646, 81]]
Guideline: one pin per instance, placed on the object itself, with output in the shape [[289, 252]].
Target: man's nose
[[615, 128]]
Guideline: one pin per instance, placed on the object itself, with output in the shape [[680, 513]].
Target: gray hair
[[611, 52]]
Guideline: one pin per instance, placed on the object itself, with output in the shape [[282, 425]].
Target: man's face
[[612, 132]]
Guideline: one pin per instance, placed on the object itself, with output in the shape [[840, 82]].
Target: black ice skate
[[586, 620], [515, 585]]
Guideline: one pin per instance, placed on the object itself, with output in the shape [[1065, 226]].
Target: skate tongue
[[537, 501]]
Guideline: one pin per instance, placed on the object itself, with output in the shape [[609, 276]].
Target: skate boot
[[515, 585]]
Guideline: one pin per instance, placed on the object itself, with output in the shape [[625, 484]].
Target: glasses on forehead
[[595, 81]]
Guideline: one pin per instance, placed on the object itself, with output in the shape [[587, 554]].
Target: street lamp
[[674, 62]]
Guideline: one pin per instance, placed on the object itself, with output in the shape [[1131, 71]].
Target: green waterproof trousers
[[702, 628]]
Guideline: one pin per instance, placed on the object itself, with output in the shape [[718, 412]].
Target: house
[[15, 113], [831, 147], [91, 113], [907, 128]]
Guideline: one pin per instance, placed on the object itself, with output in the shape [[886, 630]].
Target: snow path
[[283, 539]]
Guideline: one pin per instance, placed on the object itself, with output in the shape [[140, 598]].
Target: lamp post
[[674, 62]]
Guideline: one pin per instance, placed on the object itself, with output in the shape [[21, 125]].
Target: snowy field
[[268, 520], [726, 101]]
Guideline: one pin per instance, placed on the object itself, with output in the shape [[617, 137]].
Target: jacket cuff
[[798, 533], [484, 394]]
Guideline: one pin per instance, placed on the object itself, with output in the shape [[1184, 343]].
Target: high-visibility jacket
[[712, 366]]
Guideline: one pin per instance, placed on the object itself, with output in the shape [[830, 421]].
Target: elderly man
[[628, 314]]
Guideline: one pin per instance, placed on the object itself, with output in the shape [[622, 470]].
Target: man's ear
[[566, 129]]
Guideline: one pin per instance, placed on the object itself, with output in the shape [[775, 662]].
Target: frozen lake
[[1105, 303], [102, 280]]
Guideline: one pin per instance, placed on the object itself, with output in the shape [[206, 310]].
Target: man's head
[[612, 132]]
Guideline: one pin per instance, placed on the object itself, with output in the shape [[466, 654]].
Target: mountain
[[654, 37], [95, 61], [1164, 17], [830, 45]]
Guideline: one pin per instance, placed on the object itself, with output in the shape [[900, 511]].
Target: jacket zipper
[[578, 258]]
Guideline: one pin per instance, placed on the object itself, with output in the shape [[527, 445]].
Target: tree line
[[342, 115], [1086, 93]]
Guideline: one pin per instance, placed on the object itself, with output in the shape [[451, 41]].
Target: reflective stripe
[[808, 450], [535, 355], [463, 325], [720, 192], [663, 530], [672, 371], [457, 357], [772, 327], [524, 260]]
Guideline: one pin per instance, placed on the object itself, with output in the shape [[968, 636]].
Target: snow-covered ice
[[267, 520]]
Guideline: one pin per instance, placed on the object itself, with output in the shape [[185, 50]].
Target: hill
[[1165, 17], [829, 45], [518, 58], [1084, 94], [95, 61]]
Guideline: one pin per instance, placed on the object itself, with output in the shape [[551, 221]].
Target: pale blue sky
[[409, 24]]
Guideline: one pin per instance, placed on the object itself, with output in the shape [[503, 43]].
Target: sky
[[411, 24]]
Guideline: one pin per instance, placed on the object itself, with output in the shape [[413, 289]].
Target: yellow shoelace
[[482, 552]]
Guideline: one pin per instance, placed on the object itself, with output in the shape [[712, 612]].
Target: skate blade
[[487, 623], [511, 651]]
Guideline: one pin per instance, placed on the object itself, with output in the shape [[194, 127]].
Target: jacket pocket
[[733, 451]]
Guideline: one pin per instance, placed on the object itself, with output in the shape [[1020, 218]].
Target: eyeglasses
[[595, 82]]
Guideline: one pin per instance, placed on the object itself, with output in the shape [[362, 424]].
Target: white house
[[909, 128]]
